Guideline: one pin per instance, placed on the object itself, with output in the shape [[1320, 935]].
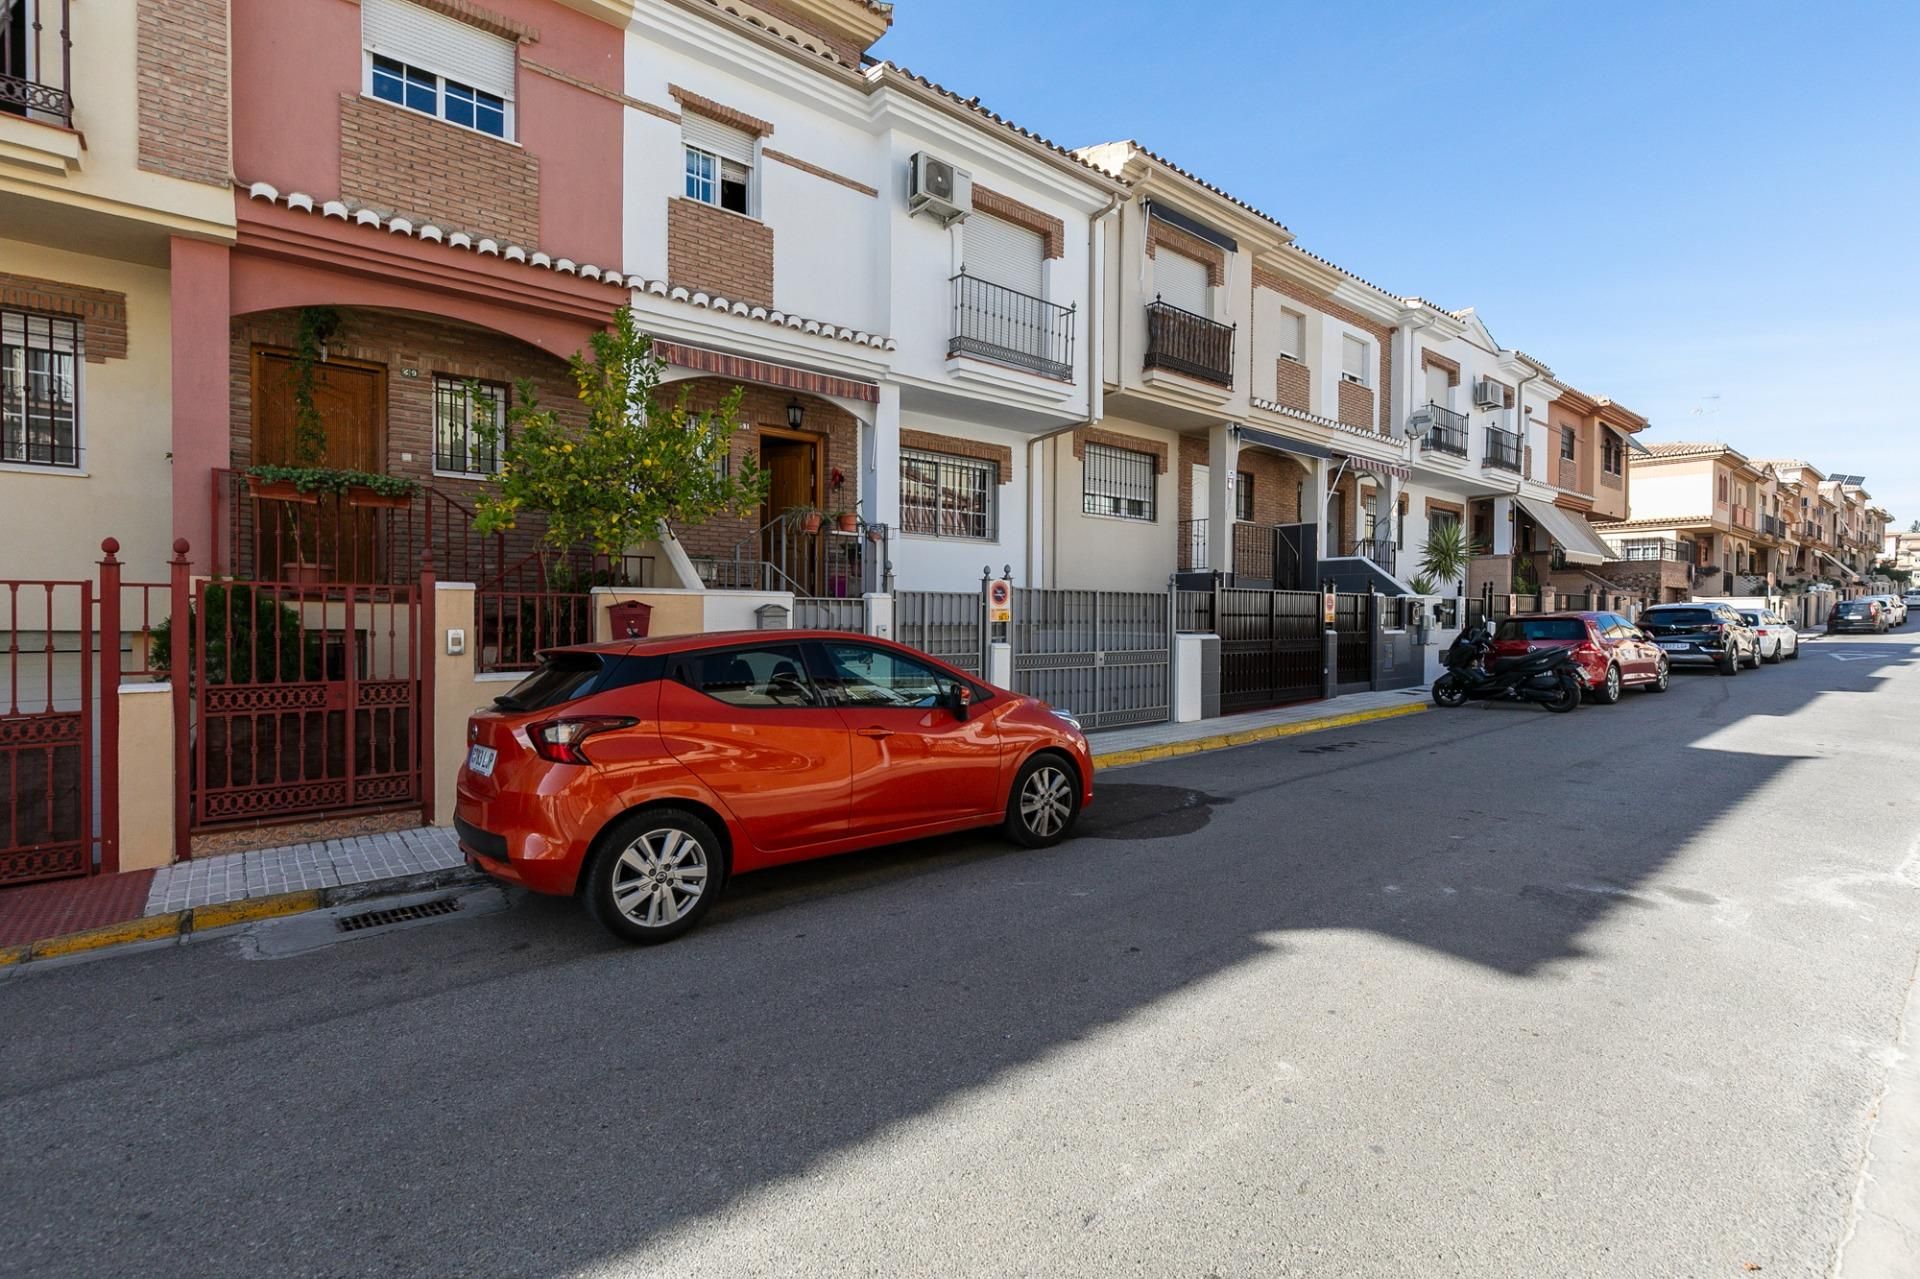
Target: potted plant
[[847, 521], [805, 518]]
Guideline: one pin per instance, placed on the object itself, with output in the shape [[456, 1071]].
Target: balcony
[[1503, 450], [1194, 556], [1182, 342], [1773, 526], [1649, 549], [1009, 327], [1440, 429], [36, 61]]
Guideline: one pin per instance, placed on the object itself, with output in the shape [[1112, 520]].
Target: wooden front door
[[342, 540], [793, 481]]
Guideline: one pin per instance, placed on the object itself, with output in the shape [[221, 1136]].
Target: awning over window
[[1391, 470], [1285, 443], [1572, 534], [1845, 572]]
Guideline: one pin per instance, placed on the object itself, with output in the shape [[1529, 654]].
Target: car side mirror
[[960, 701]]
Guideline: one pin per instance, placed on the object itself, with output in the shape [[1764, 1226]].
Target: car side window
[[763, 678], [876, 677]]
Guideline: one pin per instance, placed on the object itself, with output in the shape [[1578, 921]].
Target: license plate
[[480, 760], [1674, 646]]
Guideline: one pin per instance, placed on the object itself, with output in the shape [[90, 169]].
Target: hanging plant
[[317, 325]]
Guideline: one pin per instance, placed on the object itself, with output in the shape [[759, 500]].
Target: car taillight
[[560, 741]]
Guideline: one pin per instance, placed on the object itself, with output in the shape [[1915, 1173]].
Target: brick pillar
[[200, 310]]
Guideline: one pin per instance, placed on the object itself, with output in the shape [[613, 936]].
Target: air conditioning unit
[[937, 188], [1488, 394]]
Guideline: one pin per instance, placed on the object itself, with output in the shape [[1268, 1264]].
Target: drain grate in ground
[[396, 915]]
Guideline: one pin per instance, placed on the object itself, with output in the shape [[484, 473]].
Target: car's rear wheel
[[1793, 655], [1754, 659], [1608, 694], [1730, 662], [1779, 653], [656, 873], [1662, 678], [1044, 802]]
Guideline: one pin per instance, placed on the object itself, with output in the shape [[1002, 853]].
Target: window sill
[[1121, 519], [480, 476], [30, 468], [440, 119], [951, 539], [732, 213]]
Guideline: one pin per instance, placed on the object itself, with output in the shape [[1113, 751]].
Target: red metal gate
[[46, 730], [306, 700]]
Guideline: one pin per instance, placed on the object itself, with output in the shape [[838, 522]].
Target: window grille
[[1118, 482], [463, 412], [946, 496], [39, 389]]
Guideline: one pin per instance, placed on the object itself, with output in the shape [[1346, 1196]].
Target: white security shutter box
[[434, 42], [1293, 334], [722, 140], [1353, 358], [1181, 281], [1437, 386], [1001, 253]]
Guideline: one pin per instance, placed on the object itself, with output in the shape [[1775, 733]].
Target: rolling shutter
[[722, 140], [434, 42], [1001, 253], [1181, 281]]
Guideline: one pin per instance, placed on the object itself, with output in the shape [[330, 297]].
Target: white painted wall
[[1105, 553], [924, 563]]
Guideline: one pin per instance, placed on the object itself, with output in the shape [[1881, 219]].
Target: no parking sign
[[1000, 600]]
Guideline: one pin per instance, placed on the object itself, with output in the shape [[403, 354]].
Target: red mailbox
[[630, 619]]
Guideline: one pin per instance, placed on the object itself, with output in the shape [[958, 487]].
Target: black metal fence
[[1503, 449], [1011, 327], [1183, 342]]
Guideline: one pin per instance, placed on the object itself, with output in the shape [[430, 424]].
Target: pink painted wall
[[200, 306], [292, 61]]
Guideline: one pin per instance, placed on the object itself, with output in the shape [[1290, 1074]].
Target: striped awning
[[767, 374], [1387, 470]]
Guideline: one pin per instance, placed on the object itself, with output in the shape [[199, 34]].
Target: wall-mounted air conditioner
[[935, 187], [1488, 394]]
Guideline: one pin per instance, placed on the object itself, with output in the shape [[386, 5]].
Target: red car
[[644, 774], [1609, 652]]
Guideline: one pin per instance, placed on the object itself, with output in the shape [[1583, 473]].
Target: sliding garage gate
[[1103, 655]]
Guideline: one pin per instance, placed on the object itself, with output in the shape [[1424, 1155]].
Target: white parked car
[[1779, 639], [1911, 599]]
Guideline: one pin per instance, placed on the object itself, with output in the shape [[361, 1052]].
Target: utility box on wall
[[630, 619]]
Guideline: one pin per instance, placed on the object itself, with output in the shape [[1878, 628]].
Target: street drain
[[396, 915]]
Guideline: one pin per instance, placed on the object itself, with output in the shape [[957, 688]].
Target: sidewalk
[[67, 917], [1115, 747]]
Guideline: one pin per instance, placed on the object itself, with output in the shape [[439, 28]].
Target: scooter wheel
[[1566, 697], [1448, 693]]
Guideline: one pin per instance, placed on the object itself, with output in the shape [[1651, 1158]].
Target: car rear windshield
[[1680, 617], [569, 676], [1751, 619], [1857, 609], [1542, 628]]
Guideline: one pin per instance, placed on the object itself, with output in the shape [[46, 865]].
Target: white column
[[1503, 526], [880, 486], [1321, 471], [1223, 460]]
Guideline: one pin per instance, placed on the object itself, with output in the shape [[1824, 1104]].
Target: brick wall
[[402, 343], [724, 253], [847, 51], [760, 406], [182, 73], [955, 446], [1356, 405], [1656, 581], [1187, 245], [102, 312], [1086, 435], [1049, 228], [401, 162], [1294, 386], [1382, 336]]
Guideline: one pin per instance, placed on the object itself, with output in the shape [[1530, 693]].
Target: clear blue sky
[[1708, 211]]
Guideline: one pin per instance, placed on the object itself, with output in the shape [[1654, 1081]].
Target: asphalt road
[[1481, 993]]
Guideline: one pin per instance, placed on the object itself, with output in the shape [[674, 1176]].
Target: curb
[[1247, 737], [247, 910]]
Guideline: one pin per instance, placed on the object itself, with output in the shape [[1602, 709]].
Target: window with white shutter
[[1001, 253], [1293, 336], [428, 62], [720, 161], [1182, 281], [1353, 360]]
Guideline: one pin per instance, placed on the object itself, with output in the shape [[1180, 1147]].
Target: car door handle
[[875, 732]]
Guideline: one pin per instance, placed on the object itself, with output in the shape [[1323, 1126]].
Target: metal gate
[[1103, 655], [47, 737], [1353, 619], [815, 613], [1272, 647], [947, 624], [306, 699]]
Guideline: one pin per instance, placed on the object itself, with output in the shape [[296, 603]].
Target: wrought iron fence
[[1011, 327], [46, 729], [1253, 551], [1503, 450], [1103, 655], [948, 624], [1187, 343], [1445, 430], [36, 64], [1193, 546], [814, 613]]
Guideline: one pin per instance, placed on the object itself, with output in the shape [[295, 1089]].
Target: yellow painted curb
[[1220, 741], [147, 928], [248, 909], [14, 954]]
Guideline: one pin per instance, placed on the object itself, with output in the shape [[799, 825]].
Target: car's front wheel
[[655, 874], [1044, 803], [1608, 694], [1662, 678], [1753, 658]]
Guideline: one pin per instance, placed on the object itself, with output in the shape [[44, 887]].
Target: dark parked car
[[1609, 652], [1857, 615], [1702, 635]]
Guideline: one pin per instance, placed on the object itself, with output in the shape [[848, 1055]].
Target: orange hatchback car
[[644, 774]]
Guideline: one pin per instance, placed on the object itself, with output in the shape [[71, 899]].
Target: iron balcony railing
[[1445, 431], [1010, 327], [1656, 548], [36, 60], [1503, 450], [1194, 555], [1183, 342], [1381, 550]]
